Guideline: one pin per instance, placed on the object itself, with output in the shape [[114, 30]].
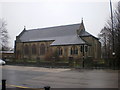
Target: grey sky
[[54, 13]]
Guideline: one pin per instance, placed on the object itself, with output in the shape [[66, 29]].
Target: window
[[86, 48], [71, 51], [34, 49], [42, 49], [81, 48], [26, 50], [74, 50], [60, 51]]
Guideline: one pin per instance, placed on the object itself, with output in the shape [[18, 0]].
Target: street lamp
[[113, 53], [82, 49]]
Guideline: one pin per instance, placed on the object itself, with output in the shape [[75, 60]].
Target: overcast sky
[[54, 13]]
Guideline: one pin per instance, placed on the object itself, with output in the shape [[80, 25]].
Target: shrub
[[48, 56], [52, 56]]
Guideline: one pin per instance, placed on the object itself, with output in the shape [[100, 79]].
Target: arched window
[[82, 48], [86, 48], [42, 49], [71, 51], [74, 50], [26, 50], [34, 49], [60, 51]]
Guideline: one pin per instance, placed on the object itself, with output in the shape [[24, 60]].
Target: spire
[[24, 27], [81, 28], [82, 20], [82, 25]]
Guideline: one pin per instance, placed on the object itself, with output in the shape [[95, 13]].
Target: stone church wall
[[66, 51]]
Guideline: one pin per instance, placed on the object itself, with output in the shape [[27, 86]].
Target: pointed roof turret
[[81, 28], [24, 28], [81, 31], [82, 20], [82, 25]]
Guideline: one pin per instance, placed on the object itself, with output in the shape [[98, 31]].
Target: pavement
[[39, 77]]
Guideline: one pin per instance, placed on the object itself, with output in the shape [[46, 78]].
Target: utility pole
[[113, 48]]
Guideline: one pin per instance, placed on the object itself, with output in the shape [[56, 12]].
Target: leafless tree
[[106, 36], [117, 32], [3, 35]]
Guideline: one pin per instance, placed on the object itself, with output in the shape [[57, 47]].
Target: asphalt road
[[38, 77]]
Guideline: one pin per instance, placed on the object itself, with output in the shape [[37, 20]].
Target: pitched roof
[[61, 35], [68, 40], [84, 33]]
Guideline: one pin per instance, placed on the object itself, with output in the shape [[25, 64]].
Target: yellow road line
[[21, 87], [17, 86]]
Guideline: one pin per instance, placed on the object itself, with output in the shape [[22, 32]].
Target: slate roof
[[84, 33], [60, 35], [68, 40]]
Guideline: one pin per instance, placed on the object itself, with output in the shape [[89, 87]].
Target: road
[[38, 77]]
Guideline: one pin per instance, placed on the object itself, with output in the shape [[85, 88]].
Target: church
[[64, 41]]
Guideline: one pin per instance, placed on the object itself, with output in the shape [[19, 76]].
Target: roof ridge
[[53, 27]]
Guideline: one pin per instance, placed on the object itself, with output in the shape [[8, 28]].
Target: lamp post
[[83, 56], [113, 54]]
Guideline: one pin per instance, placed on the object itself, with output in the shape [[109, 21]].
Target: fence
[[71, 63]]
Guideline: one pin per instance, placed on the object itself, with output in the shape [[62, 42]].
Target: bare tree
[[117, 33], [3, 35], [106, 36]]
